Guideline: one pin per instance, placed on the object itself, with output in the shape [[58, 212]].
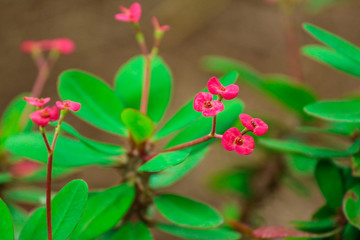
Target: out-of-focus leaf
[[324, 212], [318, 226], [6, 223], [231, 211], [40, 175], [165, 160], [351, 206], [199, 234], [140, 126], [68, 153], [99, 104], [103, 210], [19, 217], [129, 85], [295, 185], [318, 5], [301, 165], [128, 231], [350, 232], [187, 114], [67, 208], [5, 177], [187, 212], [355, 165], [26, 195]]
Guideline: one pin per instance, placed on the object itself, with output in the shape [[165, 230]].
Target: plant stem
[[48, 195], [213, 128]]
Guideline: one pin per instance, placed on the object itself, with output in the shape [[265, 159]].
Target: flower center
[[238, 141], [207, 104], [45, 113], [222, 88], [253, 123]]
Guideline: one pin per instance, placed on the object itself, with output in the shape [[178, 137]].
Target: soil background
[[248, 30]]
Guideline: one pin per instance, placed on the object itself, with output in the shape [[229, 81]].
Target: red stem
[[146, 86], [48, 195]]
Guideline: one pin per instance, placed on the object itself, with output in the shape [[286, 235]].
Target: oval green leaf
[[6, 223], [140, 126], [103, 211], [351, 206], [99, 104], [129, 82], [186, 212], [129, 231], [67, 208]]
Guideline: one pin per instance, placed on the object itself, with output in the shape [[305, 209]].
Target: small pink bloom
[[29, 46], [233, 140], [131, 14], [43, 116], [203, 103], [215, 87], [74, 106], [37, 102], [24, 168], [158, 27], [256, 125], [63, 45]]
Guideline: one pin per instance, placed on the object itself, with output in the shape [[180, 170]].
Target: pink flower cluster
[[204, 102], [233, 139], [63, 45], [44, 115]]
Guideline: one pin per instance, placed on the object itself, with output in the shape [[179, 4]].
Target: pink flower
[[29, 46], [37, 102], [203, 103], [74, 106], [256, 125], [43, 116], [157, 26], [131, 14], [215, 87], [24, 168], [65, 46], [233, 140]]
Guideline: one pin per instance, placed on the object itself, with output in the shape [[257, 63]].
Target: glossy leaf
[[129, 82], [26, 195], [68, 153], [318, 226], [6, 223], [99, 104], [103, 211], [199, 234], [175, 173], [128, 231], [187, 212], [140, 126], [165, 160], [342, 111], [67, 208], [187, 114], [330, 182], [351, 206]]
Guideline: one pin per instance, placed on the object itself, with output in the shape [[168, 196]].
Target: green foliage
[[6, 223], [103, 211], [301, 165], [19, 217], [140, 126], [316, 226], [199, 234], [99, 103], [129, 84], [351, 206], [67, 208], [129, 231], [26, 195], [5, 177], [186, 212], [165, 160]]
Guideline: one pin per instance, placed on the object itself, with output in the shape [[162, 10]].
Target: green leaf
[[26, 195], [351, 206], [301, 165], [318, 226], [68, 152], [129, 82], [350, 232], [99, 104], [291, 94], [140, 126], [165, 160], [103, 211], [317, 5], [173, 174], [187, 212], [332, 58], [295, 147], [337, 43], [132, 232], [5, 177], [187, 114], [199, 234], [67, 208], [330, 182], [19, 216], [341, 111], [355, 165], [6, 223]]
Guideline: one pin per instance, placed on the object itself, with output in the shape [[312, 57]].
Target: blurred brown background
[[247, 30]]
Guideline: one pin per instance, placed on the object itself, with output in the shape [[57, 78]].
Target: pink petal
[[74, 106], [123, 17], [214, 86], [200, 99], [278, 232], [247, 147], [155, 22], [246, 121], [165, 28], [60, 105], [64, 45], [228, 138], [135, 11], [230, 92], [36, 101], [38, 120], [260, 127], [216, 108], [28, 46]]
